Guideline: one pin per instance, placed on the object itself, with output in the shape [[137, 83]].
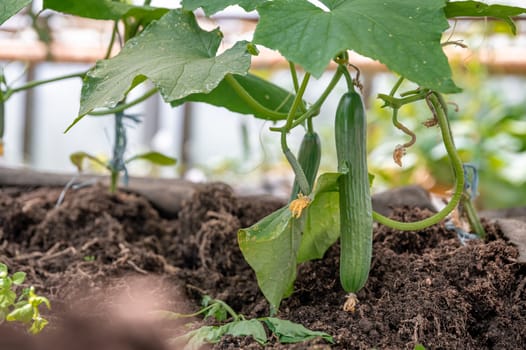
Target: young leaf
[[77, 159], [212, 6], [104, 9], [242, 328], [479, 9], [174, 53], [322, 219], [7, 298], [290, 332], [270, 247], [217, 311], [9, 8], [266, 93], [18, 278], [403, 34], [22, 314], [154, 158], [38, 325], [3, 270]]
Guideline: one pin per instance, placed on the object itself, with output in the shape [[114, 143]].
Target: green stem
[[310, 126], [399, 102], [315, 108], [112, 40], [300, 177], [114, 180], [473, 218], [294, 75], [297, 101], [2, 117], [36, 83], [396, 86], [264, 111], [296, 167], [457, 169], [124, 106], [228, 309], [348, 78]]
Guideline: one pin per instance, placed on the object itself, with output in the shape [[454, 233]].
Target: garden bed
[[106, 259]]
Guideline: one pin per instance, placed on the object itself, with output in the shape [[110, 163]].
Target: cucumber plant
[[183, 62], [20, 307]]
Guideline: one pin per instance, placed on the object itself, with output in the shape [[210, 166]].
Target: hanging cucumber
[[309, 157], [356, 222]]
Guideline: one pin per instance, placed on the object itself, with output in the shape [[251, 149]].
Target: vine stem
[[296, 167], [112, 40], [35, 83], [315, 108], [241, 92], [122, 107], [443, 122], [294, 76]]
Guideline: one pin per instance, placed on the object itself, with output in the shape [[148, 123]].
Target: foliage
[[490, 133], [184, 63], [285, 331], [8, 8], [118, 163], [23, 308]]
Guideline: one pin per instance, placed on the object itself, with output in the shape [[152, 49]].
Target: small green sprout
[[23, 309], [285, 331]]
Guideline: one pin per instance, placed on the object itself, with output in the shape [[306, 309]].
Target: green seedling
[[238, 326], [118, 164], [183, 62], [23, 308]]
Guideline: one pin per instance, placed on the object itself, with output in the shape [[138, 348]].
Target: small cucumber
[[356, 222], [309, 157]]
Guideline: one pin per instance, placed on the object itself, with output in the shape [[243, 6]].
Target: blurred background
[[212, 144]]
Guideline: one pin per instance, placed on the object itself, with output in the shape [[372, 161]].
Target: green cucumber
[[356, 221], [309, 157]]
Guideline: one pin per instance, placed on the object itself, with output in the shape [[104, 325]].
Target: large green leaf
[[9, 8], [270, 247], [212, 6], [403, 34], [479, 9], [104, 9], [196, 339], [290, 332], [252, 328], [174, 53], [322, 219], [266, 93]]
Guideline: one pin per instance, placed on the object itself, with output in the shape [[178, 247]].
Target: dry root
[[350, 303]]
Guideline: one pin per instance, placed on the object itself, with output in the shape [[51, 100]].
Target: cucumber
[[356, 221], [309, 157]]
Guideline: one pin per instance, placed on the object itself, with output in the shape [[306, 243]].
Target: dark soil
[[106, 261]]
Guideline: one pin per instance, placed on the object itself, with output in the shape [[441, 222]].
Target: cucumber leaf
[[266, 93], [270, 247], [403, 34], [194, 340], [105, 9], [290, 332], [154, 158], [212, 6], [174, 53], [322, 219], [9, 8], [479, 9]]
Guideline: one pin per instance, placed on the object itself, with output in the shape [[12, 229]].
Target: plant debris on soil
[[87, 254]]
